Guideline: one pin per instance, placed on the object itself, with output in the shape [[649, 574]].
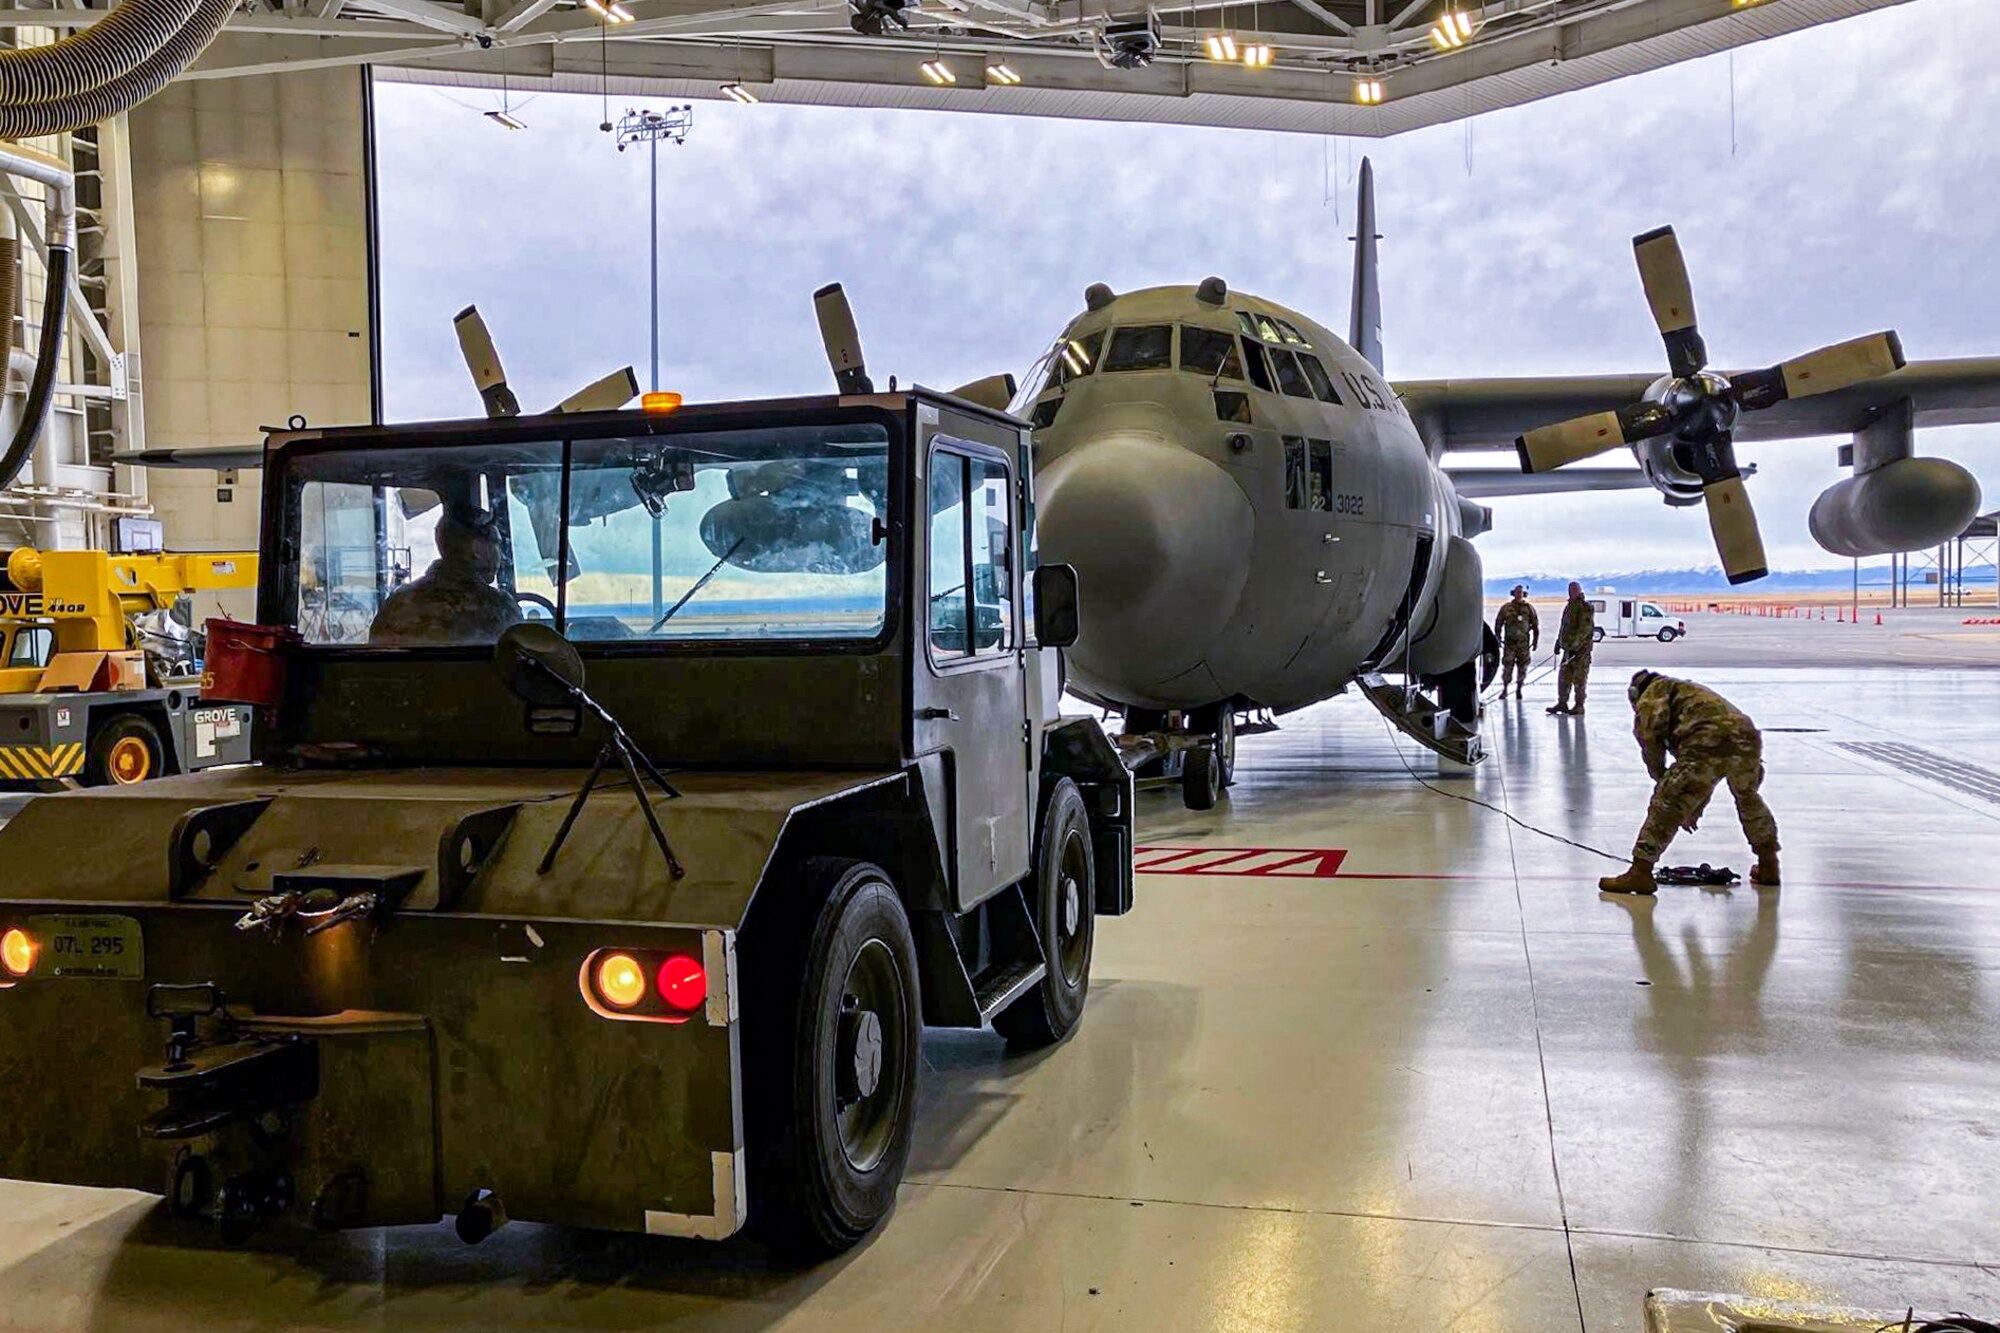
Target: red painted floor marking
[[1294, 862]]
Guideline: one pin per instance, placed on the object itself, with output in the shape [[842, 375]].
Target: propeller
[[1699, 408], [483, 360], [842, 339]]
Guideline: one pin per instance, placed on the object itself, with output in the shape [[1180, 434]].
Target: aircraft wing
[[225, 458], [1484, 483], [1492, 413]]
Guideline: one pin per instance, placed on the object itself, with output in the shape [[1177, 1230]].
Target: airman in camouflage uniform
[[1711, 741], [1574, 640], [454, 601], [1520, 631]]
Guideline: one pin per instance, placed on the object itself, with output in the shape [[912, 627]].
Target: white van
[[1636, 620]]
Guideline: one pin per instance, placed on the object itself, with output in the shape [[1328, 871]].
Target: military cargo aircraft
[[1259, 518]]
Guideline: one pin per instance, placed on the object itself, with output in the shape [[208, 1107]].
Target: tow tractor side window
[[1295, 472], [972, 559], [949, 625]]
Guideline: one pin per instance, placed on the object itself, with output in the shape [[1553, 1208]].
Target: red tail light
[[684, 982]]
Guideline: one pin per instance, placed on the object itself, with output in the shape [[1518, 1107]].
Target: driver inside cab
[[454, 601]]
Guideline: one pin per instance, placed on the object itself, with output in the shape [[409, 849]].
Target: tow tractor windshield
[[765, 534]]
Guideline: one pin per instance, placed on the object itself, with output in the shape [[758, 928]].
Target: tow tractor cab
[[423, 958], [1635, 619]]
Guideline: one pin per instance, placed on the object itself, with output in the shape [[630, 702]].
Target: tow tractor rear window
[[1141, 347]]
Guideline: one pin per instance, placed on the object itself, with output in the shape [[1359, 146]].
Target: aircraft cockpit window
[[1247, 322], [1045, 412], [1260, 370], [1232, 406], [1322, 383], [1291, 335], [1141, 347], [1319, 488], [1290, 378], [1210, 352], [1267, 329], [1295, 472], [1074, 358]]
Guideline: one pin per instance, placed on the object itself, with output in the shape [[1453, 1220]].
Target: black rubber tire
[[1218, 723], [1201, 779], [1065, 895], [809, 1198], [1597, 634], [122, 727], [1668, 634], [1458, 691]]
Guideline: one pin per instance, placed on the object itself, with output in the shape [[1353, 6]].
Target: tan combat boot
[[1765, 872], [1638, 879]]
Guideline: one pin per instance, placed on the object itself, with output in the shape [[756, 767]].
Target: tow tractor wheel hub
[[860, 1053], [1072, 906]]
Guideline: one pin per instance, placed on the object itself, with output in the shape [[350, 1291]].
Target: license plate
[[89, 946]]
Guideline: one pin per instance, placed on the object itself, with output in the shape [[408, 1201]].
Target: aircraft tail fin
[[1364, 329]]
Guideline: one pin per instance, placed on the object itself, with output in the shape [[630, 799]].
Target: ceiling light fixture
[[938, 72], [507, 118], [620, 14], [1453, 29], [1002, 74], [1369, 92], [1258, 55], [1221, 46], [736, 92]]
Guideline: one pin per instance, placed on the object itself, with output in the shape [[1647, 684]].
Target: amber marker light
[[17, 952], [659, 403], [621, 982]]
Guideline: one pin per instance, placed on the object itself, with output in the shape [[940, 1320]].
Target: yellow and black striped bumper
[[38, 763]]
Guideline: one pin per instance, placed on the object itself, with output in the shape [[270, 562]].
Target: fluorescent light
[[597, 7], [1369, 92], [1453, 29], [1258, 55], [1002, 74], [736, 92], [620, 14], [1221, 46], [507, 119], [938, 72]]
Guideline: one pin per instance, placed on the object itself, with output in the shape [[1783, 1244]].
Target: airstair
[[1423, 721]]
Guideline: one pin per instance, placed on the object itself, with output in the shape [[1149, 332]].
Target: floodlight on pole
[[651, 128]]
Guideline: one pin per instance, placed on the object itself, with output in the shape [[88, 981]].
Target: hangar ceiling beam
[[525, 12], [428, 15]]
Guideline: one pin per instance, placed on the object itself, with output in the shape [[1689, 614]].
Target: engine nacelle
[[1674, 482], [1458, 614], [1906, 505]]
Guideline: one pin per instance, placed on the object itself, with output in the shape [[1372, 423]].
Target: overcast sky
[[1863, 192]]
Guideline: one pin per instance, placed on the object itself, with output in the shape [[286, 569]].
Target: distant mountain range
[[1665, 582]]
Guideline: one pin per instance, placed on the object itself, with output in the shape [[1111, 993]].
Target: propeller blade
[[1734, 524], [605, 395], [484, 363], [1548, 447], [1852, 362], [995, 391], [842, 339], [1663, 273]]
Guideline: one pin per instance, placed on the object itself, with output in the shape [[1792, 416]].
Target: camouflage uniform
[[1573, 644], [454, 601], [1520, 631], [1711, 741]]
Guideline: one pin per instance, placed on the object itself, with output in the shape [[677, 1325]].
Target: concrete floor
[[1447, 1084]]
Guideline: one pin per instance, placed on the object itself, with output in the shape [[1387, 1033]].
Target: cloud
[[1860, 193]]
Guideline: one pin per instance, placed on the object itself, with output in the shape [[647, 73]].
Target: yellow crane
[[78, 697]]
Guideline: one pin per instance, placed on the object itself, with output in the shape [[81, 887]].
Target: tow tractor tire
[[831, 1060], [1668, 634], [1201, 779], [1065, 889], [125, 749]]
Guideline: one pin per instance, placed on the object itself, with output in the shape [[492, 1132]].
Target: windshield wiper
[[699, 584]]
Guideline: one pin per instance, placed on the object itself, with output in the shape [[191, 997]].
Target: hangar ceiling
[[1322, 52]]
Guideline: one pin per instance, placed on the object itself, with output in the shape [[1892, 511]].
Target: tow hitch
[[233, 1077]]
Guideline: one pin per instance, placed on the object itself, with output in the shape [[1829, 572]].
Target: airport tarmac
[[1362, 1056]]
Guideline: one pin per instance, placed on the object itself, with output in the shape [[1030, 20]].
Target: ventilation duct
[[82, 103], [109, 49]]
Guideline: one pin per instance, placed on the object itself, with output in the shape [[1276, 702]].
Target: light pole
[[650, 128]]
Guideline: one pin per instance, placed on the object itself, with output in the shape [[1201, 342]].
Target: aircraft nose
[[1161, 540]]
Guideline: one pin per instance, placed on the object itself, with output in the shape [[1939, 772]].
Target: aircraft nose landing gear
[[1196, 749]]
